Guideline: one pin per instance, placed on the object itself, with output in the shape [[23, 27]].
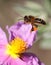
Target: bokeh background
[[13, 10]]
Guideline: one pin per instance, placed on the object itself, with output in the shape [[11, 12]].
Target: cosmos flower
[[12, 52]]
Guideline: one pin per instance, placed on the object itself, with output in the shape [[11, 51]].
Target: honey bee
[[34, 21]]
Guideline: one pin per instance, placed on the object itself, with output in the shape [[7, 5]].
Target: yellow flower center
[[16, 47]]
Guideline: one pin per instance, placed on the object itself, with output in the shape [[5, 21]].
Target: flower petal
[[18, 61], [31, 38], [3, 56], [3, 39], [31, 59], [24, 31], [13, 29], [3, 43]]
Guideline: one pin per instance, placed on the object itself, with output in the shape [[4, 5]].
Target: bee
[[34, 21]]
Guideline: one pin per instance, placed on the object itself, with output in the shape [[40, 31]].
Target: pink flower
[[19, 33], [24, 32]]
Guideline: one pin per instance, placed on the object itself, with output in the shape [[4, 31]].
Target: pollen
[[35, 28], [16, 47]]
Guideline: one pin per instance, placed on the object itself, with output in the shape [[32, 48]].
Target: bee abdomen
[[41, 21]]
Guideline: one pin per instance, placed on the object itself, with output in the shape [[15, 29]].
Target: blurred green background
[[13, 10]]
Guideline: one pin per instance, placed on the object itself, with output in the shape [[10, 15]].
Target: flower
[[13, 52], [24, 32]]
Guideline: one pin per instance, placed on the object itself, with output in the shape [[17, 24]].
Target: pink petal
[[3, 42], [3, 56], [31, 38], [24, 31], [18, 61], [3, 39]]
